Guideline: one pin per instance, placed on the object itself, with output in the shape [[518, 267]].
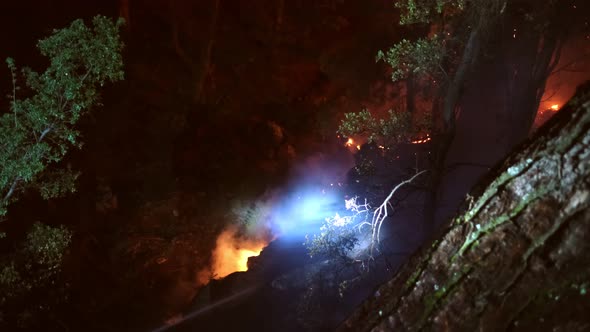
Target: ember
[[555, 107], [422, 140]]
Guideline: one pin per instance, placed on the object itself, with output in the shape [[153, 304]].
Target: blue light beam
[[305, 210]]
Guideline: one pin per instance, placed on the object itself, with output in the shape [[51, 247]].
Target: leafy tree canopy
[[396, 128], [423, 11], [40, 127], [35, 133]]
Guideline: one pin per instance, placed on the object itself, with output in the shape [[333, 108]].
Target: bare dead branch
[[381, 213]]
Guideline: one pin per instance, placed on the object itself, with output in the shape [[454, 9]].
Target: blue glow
[[304, 210]]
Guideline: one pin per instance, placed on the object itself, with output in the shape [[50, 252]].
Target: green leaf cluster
[[422, 57], [32, 268], [423, 11], [45, 245], [334, 241], [339, 235], [397, 127], [357, 123], [40, 126]]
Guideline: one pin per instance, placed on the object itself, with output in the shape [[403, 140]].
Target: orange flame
[[555, 107], [422, 140], [350, 142], [232, 252]]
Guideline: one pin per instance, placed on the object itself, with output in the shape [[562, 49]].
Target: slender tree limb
[[381, 213], [206, 59], [45, 132], [11, 190]]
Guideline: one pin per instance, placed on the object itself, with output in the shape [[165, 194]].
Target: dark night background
[[226, 102]]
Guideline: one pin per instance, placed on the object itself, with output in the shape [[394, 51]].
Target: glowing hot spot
[[350, 142], [555, 107], [422, 140], [232, 252]]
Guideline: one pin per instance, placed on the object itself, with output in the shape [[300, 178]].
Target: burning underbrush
[[232, 250]]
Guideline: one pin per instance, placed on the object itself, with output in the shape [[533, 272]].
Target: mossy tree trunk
[[517, 259]]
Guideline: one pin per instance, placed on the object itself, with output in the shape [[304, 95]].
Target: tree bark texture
[[517, 259]]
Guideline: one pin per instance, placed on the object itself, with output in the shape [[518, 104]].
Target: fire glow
[[555, 107], [232, 252], [423, 140], [350, 142]]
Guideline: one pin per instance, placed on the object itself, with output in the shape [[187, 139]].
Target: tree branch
[[206, 57], [45, 132], [380, 213], [11, 190]]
